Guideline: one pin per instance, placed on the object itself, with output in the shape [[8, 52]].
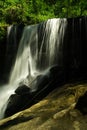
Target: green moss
[[3, 32]]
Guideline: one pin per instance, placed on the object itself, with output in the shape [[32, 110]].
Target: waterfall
[[29, 57], [34, 57]]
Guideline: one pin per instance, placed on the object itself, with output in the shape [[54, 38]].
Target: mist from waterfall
[[34, 58]]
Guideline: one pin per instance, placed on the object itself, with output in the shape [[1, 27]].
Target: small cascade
[[14, 33], [52, 41], [20, 69], [34, 57]]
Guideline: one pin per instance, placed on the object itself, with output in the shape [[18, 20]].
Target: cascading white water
[[53, 40], [7, 89], [30, 60], [20, 69]]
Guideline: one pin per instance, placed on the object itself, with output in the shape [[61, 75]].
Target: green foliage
[[34, 11], [3, 31]]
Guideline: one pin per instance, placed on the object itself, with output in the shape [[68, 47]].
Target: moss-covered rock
[[55, 112]]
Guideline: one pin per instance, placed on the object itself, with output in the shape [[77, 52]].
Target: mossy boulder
[[55, 112]]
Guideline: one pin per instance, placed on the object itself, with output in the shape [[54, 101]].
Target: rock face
[[22, 90], [3, 37], [55, 112], [82, 104]]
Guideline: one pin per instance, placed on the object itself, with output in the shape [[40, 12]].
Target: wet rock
[[39, 82], [19, 100], [22, 90], [82, 104], [57, 73], [16, 103]]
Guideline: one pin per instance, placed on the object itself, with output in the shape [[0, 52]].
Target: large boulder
[[17, 101], [22, 90]]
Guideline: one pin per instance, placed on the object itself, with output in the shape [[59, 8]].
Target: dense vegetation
[[33, 11]]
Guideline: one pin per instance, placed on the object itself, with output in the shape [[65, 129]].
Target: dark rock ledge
[[57, 111]]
